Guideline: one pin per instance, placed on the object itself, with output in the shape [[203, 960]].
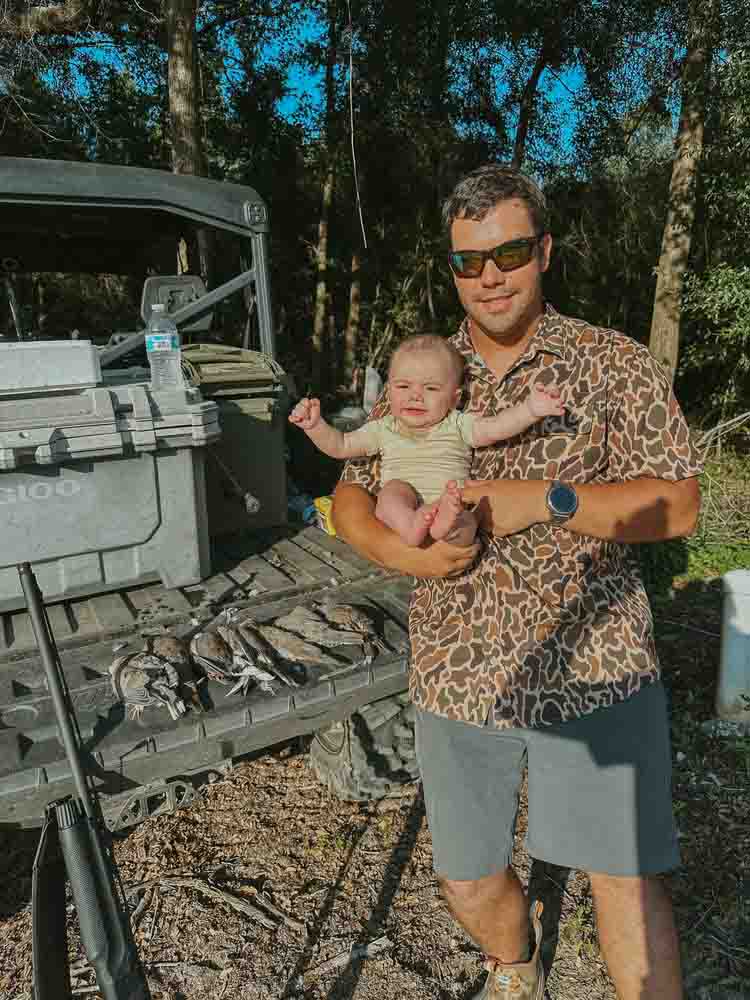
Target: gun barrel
[[49, 658]]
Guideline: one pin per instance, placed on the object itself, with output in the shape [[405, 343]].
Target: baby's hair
[[431, 342]]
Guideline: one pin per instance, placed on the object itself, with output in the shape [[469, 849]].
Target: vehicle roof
[[65, 215]]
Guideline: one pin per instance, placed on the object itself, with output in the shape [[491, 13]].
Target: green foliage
[[707, 559], [718, 302]]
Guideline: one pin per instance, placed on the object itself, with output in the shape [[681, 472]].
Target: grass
[[711, 772]]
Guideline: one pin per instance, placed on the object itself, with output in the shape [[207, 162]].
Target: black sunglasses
[[506, 257]]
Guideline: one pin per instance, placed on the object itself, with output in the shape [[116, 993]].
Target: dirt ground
[[268, 887]]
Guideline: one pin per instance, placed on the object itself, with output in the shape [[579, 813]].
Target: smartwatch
[[562, 501]]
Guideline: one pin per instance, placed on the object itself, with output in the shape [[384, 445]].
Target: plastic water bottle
[[163, 349]]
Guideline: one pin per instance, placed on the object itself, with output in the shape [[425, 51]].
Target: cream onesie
[[425, 459]]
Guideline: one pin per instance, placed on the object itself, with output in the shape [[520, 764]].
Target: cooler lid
[[102, 422]]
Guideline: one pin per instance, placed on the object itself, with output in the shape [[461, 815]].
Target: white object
[[373, 388], [163, 350], [48, 364], [733, 688]]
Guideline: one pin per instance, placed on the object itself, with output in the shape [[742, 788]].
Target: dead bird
[[245, 668], [211, 652], [350, 616], [294, 649], [309, 624], [141, 680], [177, 652], [248, 628], [267, 655]]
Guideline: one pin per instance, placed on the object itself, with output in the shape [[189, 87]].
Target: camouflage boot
[[517, 980]]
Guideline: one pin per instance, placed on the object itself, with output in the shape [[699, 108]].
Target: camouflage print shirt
[[550, 625]]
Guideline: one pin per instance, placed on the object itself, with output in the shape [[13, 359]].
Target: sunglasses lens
[[467, 264], [509, 257]]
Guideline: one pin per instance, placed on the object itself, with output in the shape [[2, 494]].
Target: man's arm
[[355, 521], [640, 510]]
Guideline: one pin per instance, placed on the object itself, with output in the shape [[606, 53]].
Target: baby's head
[[425, 378]]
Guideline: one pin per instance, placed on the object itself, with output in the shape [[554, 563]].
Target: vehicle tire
[[369, 755]]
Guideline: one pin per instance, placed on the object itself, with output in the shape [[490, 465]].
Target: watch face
[[563, 499]]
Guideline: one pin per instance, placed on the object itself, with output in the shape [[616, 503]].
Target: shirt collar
[[550, 338]]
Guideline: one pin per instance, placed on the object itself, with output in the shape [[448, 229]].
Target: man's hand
[[306, 414], [507, 506], [438, 560]]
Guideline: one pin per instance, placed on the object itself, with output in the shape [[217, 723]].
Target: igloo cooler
[[101, 485]]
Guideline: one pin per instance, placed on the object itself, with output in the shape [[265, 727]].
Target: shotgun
[[76, 843]]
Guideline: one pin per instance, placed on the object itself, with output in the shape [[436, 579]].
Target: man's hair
[[479, 192], [431, 342]]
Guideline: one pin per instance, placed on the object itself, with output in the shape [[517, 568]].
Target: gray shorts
[[599, 791]]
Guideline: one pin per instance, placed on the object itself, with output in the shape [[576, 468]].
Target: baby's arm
[[329, 440], [542, 401]]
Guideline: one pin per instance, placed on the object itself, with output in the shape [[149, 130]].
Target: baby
[[425, 444]]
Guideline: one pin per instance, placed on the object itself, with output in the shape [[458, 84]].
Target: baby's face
[[422, 388]]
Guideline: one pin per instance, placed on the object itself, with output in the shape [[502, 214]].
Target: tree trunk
[[351, 334], [184, 110], [322, 296], [321, 285], [526, 109], [664, 341]]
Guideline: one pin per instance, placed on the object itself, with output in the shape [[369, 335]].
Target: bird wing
[[295, 649]]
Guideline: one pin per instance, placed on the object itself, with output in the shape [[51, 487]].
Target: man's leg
[[494, 912], [637, 936], [600, 801]]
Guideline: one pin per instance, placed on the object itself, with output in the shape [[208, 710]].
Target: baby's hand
[[306, 414], [545, 401]]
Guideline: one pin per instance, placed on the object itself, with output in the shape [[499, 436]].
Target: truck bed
[[154, 764]]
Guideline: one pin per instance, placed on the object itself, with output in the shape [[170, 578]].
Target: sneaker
[[517, 980]]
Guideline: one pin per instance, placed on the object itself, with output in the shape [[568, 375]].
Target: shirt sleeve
[[367, 438], [465, 423], [648, 435], [365, 472]]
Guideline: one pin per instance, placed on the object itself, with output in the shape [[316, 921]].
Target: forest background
[[354, 118]]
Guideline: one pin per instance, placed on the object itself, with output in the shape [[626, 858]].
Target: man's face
[[422, 388], [504, 305]]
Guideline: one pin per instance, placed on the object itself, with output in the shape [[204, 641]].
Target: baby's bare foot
[[449, 509], [419, 527]]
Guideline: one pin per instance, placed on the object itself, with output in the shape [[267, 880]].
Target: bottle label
[[162, 342]]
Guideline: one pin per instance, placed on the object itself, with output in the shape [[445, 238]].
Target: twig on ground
[[690, 628], [291, 922], [703, 916], [213, 892], [192, 968], [375, 947], [140, 908], [155, 919]]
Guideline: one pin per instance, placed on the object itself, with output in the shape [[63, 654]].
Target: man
[[541, 650]]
